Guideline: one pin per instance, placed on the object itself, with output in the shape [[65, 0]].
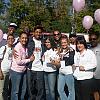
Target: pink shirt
[[19, 63]]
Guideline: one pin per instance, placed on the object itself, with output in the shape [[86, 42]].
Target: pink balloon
[[87, 22], [1, 35], [97, 15], [78, 5]]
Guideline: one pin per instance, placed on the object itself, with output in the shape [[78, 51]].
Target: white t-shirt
[[49, 54], [6, 62], [37, 64]]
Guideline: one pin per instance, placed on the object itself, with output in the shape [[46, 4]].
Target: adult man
[[57, 36], [95, 46], [11, 30], [35, 72], [72, 39]]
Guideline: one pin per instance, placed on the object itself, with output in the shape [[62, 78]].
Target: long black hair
[[53, 45]]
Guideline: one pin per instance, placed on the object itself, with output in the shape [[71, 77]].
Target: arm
[[87, 62], [21, 57], [1, 57], [91, 63]]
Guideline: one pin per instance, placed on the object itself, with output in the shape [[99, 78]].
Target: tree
[[51, 14]]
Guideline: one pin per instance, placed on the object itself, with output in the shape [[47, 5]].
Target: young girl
[[18, 69], [50, 69], [65, 71]]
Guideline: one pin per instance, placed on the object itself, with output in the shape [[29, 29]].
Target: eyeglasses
[[56, 34], [92, 39]]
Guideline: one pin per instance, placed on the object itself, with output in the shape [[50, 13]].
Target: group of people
[[56, 67]]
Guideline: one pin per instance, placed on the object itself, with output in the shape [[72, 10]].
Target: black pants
[[36, 86], [83, 89], [7, 88]]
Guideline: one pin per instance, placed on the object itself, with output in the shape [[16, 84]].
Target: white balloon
[[78, 5], [97, 15], [87, 22]]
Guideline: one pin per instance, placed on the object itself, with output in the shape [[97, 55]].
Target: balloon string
[[87, 31]]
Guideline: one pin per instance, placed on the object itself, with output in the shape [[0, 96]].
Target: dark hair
[[23, 33], [94, 33], [38, 27], [10, 35], [51, 42], [72, 35], [80, 39]]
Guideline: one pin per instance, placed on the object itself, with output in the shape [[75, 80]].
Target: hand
[[32, 57], [81, 68], [1, 75], [15, 54], [73, 67], [43, 58], [56, 63]]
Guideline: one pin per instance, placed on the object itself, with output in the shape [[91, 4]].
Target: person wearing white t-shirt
[[6, 60], [11, 30], [35, 72], [85, 62], [50, 70]]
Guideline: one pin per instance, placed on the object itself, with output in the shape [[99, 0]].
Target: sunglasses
[[93, 39], [56, 34]]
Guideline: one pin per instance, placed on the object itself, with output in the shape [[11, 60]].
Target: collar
[[82, 54]]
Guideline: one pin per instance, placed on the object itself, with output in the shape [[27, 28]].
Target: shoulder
[[71, 50], [2, 48], [89, 52], [4, 36], [18, 45]]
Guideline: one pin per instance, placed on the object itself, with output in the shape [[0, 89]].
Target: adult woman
[[50, 69], [85, 62], [18, 69], [65, 71], [5, 64]]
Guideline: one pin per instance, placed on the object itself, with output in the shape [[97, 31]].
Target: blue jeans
[[50, 80], [36, 86], [69, 81], [18, 81]]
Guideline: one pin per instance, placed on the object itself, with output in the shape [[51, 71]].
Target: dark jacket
[[30, 46], [69, 57]]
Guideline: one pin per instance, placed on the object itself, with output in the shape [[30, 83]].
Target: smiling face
[[23, 39], [64, 43], [10, 40], [56, 35], [11, 30], [93, 40], [80, 47], [48, 44], [37, 33]]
